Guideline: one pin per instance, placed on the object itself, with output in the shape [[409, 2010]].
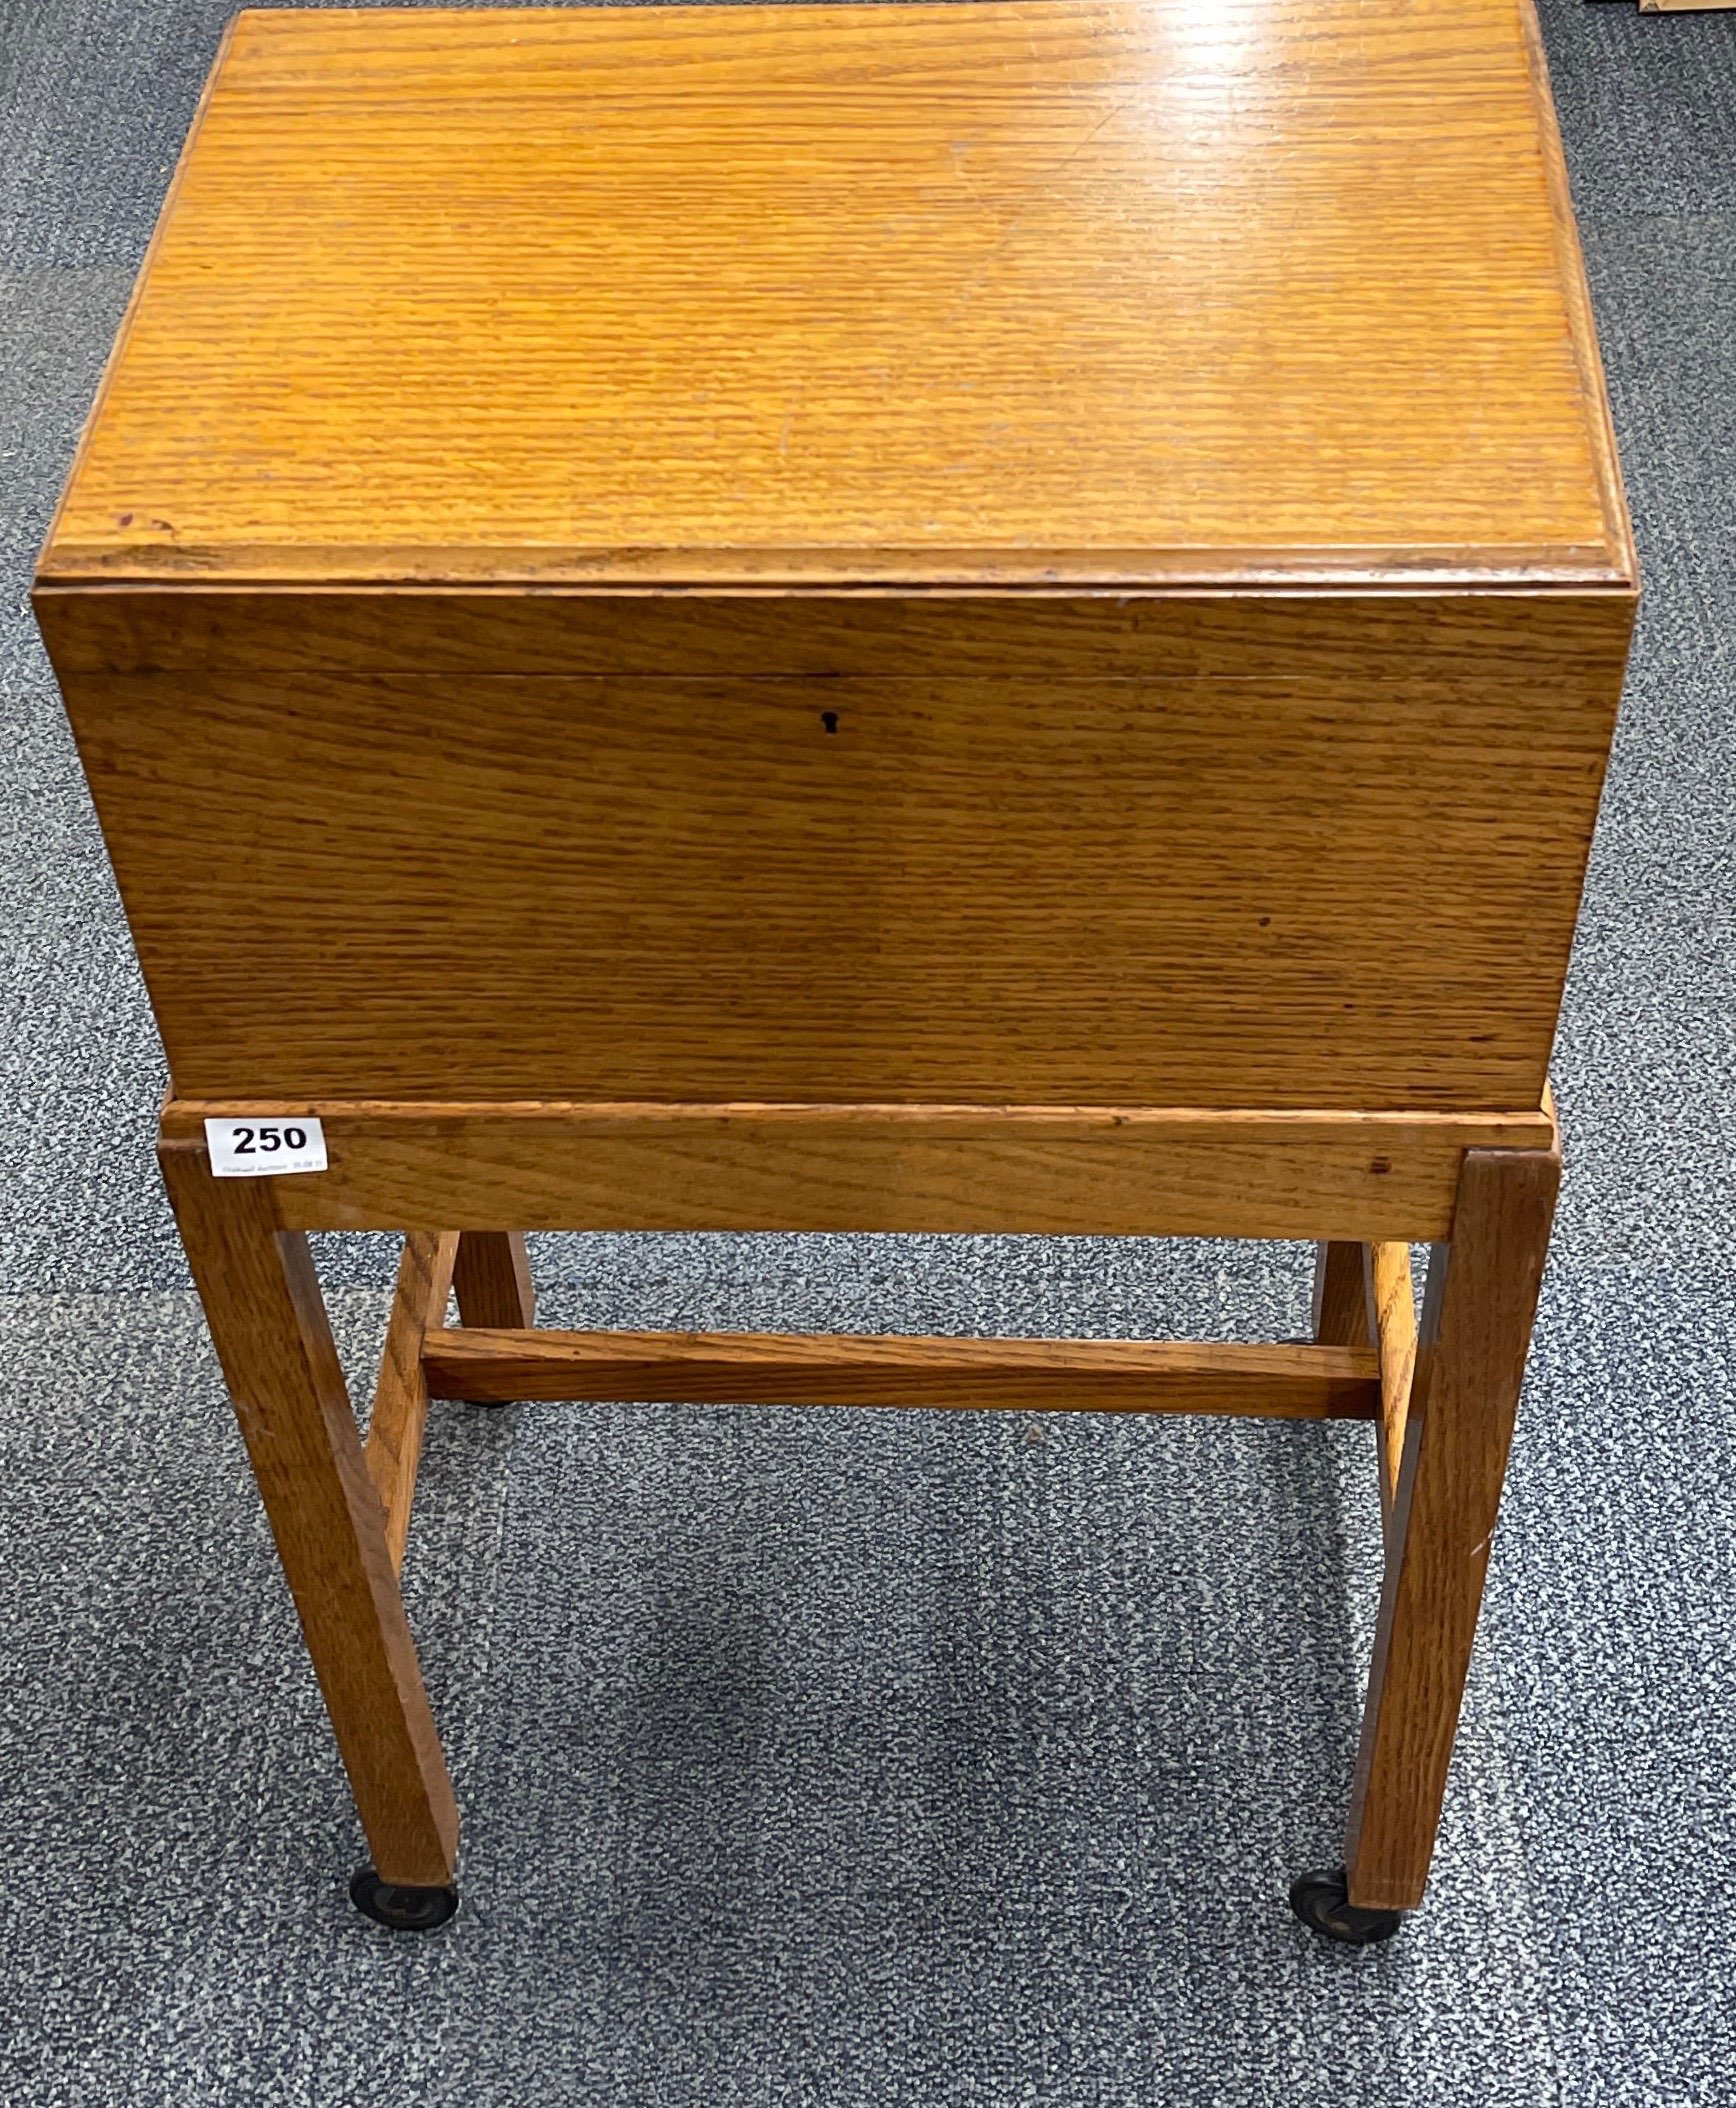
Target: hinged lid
[[1059, 291]]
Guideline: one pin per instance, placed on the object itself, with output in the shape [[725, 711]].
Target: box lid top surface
[[1023, 293]]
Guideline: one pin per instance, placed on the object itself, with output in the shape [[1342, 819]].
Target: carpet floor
[[881, 1759]]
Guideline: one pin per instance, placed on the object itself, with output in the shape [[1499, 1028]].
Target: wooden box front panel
[[1208, 852]]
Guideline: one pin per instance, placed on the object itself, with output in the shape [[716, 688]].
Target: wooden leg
[[494, 1289], [1341, 1313], [400, 1415], [1471, 1349], [263, 1305], [1395, 1322], [492, 1281]]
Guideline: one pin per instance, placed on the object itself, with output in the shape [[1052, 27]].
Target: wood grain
[[494, 1285], [1025, 303], [1101, 1172], [1474, 1336], [1341, 1316], [269, 1326], [1032, 291], [956, 619], [1540, 639], [492, 1279], [1029, 1375], [1020, 886], [1576, 289], [400, 1415], [1394, 1299]]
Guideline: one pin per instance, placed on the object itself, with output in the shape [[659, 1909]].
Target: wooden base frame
[[1441, 1390]]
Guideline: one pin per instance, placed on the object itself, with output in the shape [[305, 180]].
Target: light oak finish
[[492, 1279], [1362, 1293], [1216, 634], [269, 1326], [400, 1414], [1474, 1336], [494, 1286], [1072, 533], [1053, 1170], [996, 618], [1341, 1312], [1028, 886], [1395, 1326], [1037, 291], [1027, 1375]]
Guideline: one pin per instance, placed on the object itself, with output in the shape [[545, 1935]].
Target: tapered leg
[[1341, 1312], [492, 1280], [1472, 1343], [263, 1306]]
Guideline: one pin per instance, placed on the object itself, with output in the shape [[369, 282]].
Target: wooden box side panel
[[1062, 882]]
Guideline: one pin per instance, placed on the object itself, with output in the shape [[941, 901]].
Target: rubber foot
[[397, 1904], [1322, 1902]]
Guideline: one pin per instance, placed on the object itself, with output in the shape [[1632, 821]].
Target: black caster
[[405, 1909], [1322, 1902]]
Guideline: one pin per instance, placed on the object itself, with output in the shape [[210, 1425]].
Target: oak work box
[[996, 618]]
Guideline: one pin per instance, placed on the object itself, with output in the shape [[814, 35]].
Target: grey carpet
[[881, 1759]]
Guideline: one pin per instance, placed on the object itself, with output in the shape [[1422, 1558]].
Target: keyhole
[[829, 718]]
